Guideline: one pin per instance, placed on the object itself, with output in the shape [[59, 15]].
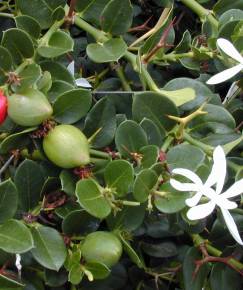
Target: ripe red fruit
[[3, 107]]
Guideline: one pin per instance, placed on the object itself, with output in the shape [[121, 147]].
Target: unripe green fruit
[[67, 147], [102, 247], [29, 108]]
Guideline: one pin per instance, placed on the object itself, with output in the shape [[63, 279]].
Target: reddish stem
[[141, 27]]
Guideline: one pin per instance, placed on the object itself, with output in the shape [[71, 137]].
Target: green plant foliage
[[121, 148]]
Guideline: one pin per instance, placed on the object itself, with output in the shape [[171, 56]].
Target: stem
[[175, 56], [100, 154], [201, 12], [5, 166], [121, 75], [55, 26], [167, 143], [8, 15], [206, 148]]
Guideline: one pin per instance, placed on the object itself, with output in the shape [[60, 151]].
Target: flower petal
[[230, 223], [183, 186], [201, 211], [218, 171], [70, 68], [194, 200], [225, 75], [229, 49], [234, 190], [188, 174]]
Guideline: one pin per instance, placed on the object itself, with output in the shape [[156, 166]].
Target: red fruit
[[3, 107]]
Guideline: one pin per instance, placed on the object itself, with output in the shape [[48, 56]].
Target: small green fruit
[[102, 247], [29, 108], [67, 147]]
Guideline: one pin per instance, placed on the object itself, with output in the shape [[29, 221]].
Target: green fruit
[[67, 147], [29, 108], [102, 247]]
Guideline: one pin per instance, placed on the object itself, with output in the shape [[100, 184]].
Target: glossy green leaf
[[101, 117], [91, 198], [58, 88], [59, 43], [185, 44], [49, 250], [13, 40], [75, 274], [173, 201], [8, 200], [180, 156], [119, 176], [29, 181], [68, 182], [130, 137], [189, 267], [72, 106], [116, 18], [98, 270], [111, 50], [160, 250], [5, 64], [44, 83], [16, 140], [144, 184], [150, 154], [29, 25], [224, 278], [155, 135], [79, 222], [58, 71], [15, 237], [10, 283], [154, 107], [40, 10], [224, 5]]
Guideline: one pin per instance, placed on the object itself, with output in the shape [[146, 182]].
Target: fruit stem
[[96, 153]]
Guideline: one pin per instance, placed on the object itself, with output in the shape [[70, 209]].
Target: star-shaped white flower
[[227, 47], [216, 196]]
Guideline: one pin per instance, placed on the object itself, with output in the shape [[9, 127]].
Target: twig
[[161, 43], [5, 166], [141, 27]]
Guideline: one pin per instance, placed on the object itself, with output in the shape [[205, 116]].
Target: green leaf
[[154, 107], [117, 16], [131, 253], [154, 134], [111, 50], [29, 25], [224, 278], [40, 10], [8, 200], [68, 182], [59, 43], [91, 9], [29, 181], [28, 77], [71, 106], [161, 250], [150, 155], [189, 267], [16, 140], [79, 222], [98, 270], [119, 176], [58, 71], [130, 137], [5, 64], [101, 117], [91, 198], [58, 88], [173, 201], [75, 274], [18, 43], [222, 6], [15, 237], [185, 44], [9, 283], [49, 250], [180, 156], [144, 184]]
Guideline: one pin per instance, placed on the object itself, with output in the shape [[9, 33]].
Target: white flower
[[228, 48], [216, 196], [80, 82]]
